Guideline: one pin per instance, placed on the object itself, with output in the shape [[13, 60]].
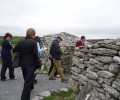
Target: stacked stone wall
[[95, 71], [67, 46]]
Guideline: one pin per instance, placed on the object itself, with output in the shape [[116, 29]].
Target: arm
[[40, 50], [57, 48], [8, 43]]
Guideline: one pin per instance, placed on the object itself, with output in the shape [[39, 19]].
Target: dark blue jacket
[[28, 52], [6, 49], [55, 50]]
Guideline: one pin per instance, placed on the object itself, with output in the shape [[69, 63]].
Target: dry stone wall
[[67, 46], [95, 71]]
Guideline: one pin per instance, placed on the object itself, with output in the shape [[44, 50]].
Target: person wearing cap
[[56, 52]]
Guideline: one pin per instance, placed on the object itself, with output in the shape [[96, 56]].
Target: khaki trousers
[[58, 67]]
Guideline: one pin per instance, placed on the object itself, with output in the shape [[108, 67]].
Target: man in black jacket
[[56, 52], [29, 61]]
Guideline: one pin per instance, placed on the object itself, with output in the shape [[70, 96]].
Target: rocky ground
[[12, 89]]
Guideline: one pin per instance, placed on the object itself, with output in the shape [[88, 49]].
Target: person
[[29, 61], [41, 49], [81, 42], [56, 52], [7, 58]]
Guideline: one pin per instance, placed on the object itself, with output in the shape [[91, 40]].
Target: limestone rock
[[119, 53], [91, 74], [79, 54], [74, 77], [100, 90], [54, 91], [109, 46], [72, 83], [108, 95], [106, 67], [114, 68], [37, 98], [116, 59], [93, 61], [103, 51], [90, 55], [111, 90], [92, 68], [75, 69], [116, 84], [95, 95], [100, 80], [74, 73], [64, 89], [118, 42], [109, 80], [104, 59], [83, 77], [76, 61], [105, 74], [84, 50], [45, 93], [82, 82], [95, 46], [94, 83]]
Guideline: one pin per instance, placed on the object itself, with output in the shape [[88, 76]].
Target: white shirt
[[40, 50]]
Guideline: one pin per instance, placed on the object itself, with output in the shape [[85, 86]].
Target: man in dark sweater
[[56, 52]]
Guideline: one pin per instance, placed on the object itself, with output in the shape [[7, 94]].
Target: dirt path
[[12, 89]]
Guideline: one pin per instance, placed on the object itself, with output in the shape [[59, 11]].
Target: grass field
[[14, 40], [61, 96]]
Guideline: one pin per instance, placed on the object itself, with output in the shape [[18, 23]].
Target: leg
[[51, 67], [53, 72], [3, 70], [57, 63], [24, 72], [11, 69], [28, 84]]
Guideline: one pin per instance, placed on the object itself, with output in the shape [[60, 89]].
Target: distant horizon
[[97, 37]]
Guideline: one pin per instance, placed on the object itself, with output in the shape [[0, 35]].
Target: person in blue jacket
[[6, 57]]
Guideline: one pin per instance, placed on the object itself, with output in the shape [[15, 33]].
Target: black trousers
[[7, 63], [28, 75], [51, 67]]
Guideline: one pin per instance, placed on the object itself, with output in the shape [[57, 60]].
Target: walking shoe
[[5, 79], [64, 80], [15, 78], [52, 78]]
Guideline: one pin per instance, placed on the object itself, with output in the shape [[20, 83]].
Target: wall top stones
[[68, 39]]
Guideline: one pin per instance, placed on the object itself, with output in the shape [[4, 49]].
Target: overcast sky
[[92, 18]]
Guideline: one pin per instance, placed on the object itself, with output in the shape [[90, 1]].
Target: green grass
[[14, 40], [61, 96]]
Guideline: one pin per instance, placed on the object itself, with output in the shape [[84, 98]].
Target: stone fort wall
[[95, 71]]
